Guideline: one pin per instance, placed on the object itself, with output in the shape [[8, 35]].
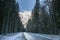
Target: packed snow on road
[[28, 36]]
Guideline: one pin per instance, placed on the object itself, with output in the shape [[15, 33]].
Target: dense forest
[[9, 17], [44, 22], [41, 22]]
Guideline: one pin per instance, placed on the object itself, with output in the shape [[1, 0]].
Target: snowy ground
[[28, 36]]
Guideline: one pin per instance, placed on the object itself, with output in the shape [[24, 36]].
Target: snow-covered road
[[28, 36]]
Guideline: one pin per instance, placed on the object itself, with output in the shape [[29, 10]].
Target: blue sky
[[27, 4]]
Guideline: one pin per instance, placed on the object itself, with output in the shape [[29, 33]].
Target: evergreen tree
[[35, 17], [56, 14], [39, 21], [10, 20], [42, 21]]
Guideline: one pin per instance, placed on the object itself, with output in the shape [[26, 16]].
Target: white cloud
[[25, 16]]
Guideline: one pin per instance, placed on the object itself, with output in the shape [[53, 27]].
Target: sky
[[27, 4], [25, 16]]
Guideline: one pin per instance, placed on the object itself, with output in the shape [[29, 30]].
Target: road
[[28, 36]]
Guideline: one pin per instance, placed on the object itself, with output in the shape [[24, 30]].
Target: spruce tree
[[56, 14], [40, 22], [10, 20]]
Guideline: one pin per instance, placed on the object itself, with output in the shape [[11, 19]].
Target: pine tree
[[38, 24], [35, 18], [10, 20], [56, 14]]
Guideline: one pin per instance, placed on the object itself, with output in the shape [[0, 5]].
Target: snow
[[35, 37], [45, 36], [28, 36], [25, 16], [14, 36]]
